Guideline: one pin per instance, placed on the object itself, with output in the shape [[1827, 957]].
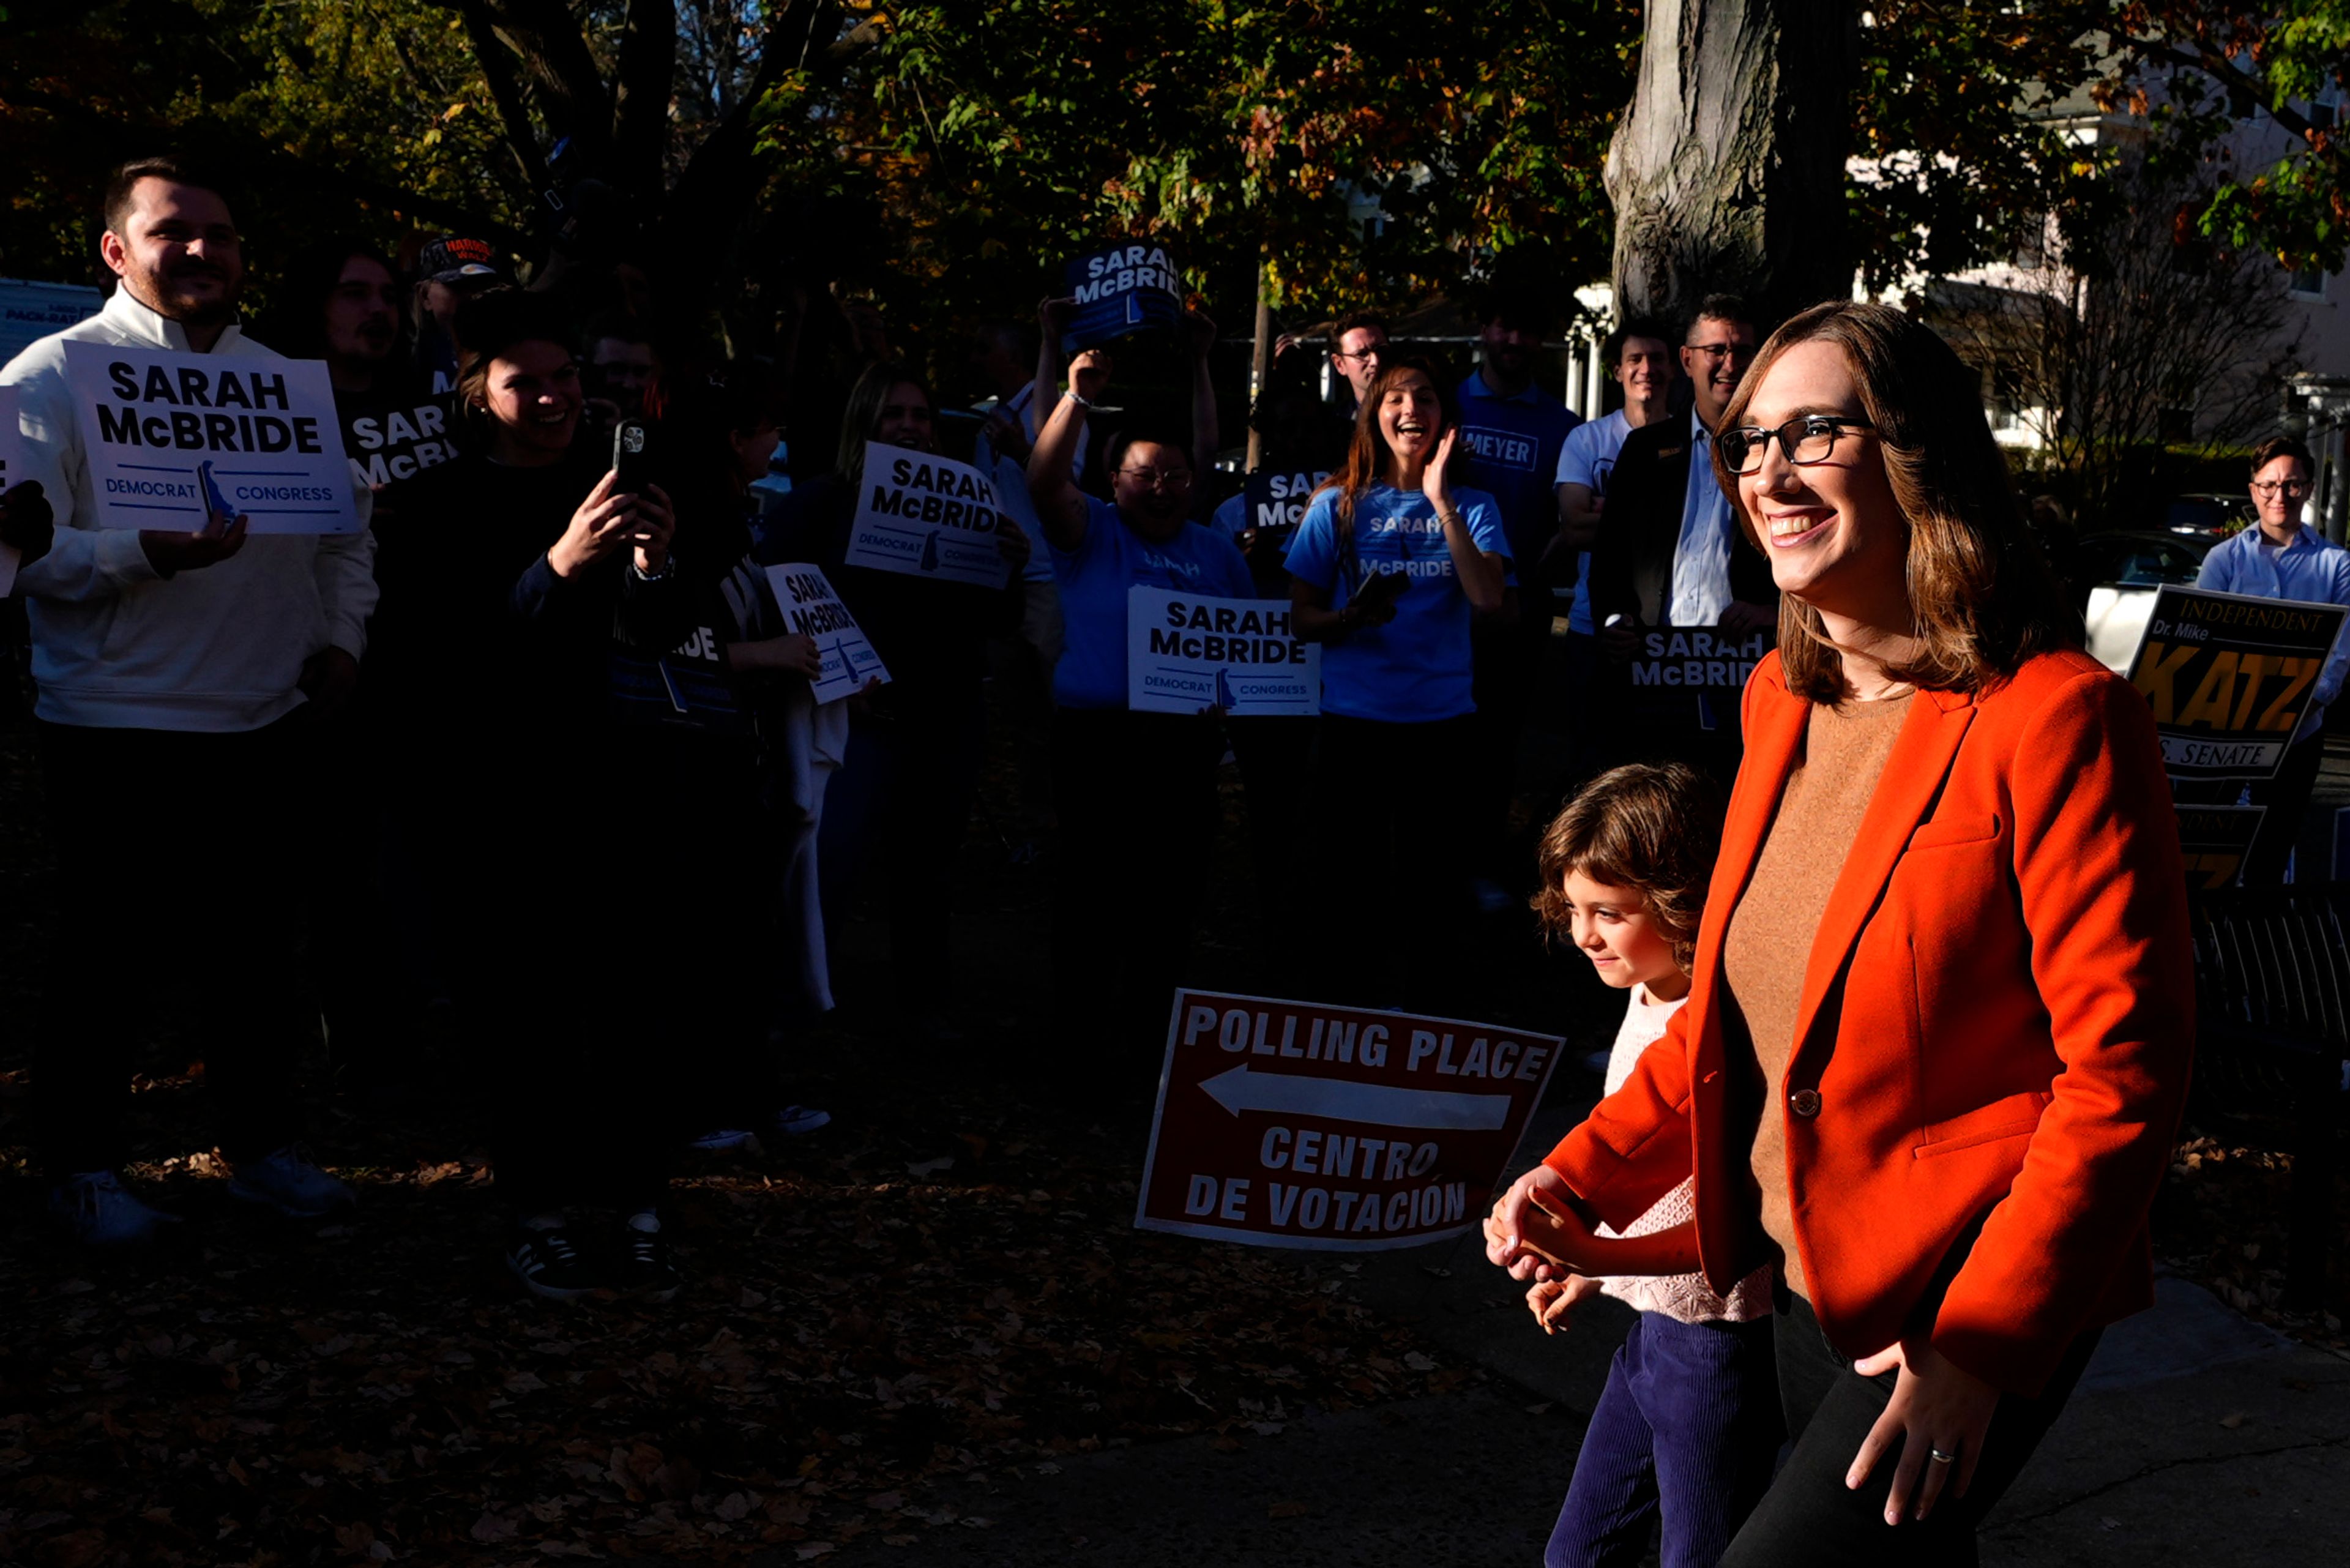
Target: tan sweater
[[1769, 939]]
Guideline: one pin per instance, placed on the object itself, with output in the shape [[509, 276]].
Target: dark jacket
[[1632, 563]]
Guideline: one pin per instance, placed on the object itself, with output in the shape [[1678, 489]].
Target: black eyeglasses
[[1376, 351], [2282, 487], [1806, 439], [1172, 481]]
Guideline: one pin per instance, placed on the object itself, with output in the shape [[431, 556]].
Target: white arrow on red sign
[[1296, 1094]]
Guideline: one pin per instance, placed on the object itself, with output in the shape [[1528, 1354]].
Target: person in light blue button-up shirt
[[2284, 558]]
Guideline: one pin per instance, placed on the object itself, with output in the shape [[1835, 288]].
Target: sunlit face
[[534, 396], [1411, 416], [1612, 926], [178, 253], [1715, 359], [1645, 369], [1832, 529], [905, 419], [2279, 489], [362, 313], [1154, 488], [1360, 355]]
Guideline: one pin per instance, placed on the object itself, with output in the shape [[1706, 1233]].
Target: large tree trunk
[[1728, 171]]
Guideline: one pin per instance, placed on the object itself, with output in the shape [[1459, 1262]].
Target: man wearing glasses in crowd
[[2284, 558], [1668, 554], [1358, 351]]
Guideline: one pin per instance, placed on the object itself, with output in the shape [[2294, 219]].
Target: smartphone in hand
[[1380, 588], [630, 440]]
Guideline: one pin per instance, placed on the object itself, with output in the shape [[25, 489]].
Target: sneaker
[[95, 1210], [647, 1271], [291, 1182], [798, 1121], [720, 1140], [548, 1263]]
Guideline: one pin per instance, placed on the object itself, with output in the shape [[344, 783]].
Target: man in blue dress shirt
[[2284, 558]]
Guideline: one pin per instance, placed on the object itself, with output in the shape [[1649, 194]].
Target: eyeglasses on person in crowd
[[1376, 351], [1173, 481], [2281, 487], [1717, 352], [1806, 439]]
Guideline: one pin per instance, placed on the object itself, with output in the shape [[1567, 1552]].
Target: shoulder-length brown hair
[[1982, 595], [1652, 827], [1367, 451], [863, 411]]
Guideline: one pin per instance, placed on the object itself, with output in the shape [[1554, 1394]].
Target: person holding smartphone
[[1387, 570], [561, 693]]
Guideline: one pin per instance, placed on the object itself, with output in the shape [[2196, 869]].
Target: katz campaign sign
[[811, 609], [2214, 840], [927, 516], [1187, 651], [1276, 502], [173, 438], [2229, 677], [1288, 1124], [1117, 290]]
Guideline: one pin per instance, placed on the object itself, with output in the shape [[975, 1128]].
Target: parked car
[[2207, 515], [2136, 560]]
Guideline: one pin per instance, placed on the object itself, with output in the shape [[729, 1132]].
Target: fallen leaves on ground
[[380, 1391]]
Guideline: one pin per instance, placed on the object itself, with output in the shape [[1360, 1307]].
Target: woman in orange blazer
[[1940, 1035]]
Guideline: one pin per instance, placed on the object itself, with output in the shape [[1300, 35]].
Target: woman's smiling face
[[1833, 530], [1411, 416]]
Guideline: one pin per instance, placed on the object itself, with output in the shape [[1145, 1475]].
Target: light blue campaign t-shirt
[[1415, 669], [1110, 559]]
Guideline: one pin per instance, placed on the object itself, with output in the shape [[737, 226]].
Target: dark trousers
[[1507, 665], [1391, 881], [1276, 759], [1136, 795], [175, 856], [1809, 1517], [1688, 1426], [901, 805], [617, 960], [2287, 799]]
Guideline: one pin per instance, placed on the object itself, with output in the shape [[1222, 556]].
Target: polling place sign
[[1288, 1124], [1275, 501], [172, 438], [811, 609], [2229, 677], [1120, 289], [927, 516], [1188, 652]]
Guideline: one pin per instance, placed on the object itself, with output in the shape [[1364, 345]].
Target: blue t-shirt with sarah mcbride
[[1094, 577], [1415, 669]]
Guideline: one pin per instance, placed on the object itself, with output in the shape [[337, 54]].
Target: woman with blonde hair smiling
[[1937, 1035]]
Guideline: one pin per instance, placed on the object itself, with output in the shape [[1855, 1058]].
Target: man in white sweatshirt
[[178, 674]]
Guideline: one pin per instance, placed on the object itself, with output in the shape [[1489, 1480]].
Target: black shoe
[[646, 1270], [549, 1264]]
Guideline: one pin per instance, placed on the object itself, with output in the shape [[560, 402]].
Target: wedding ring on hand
[[1939, 1458]]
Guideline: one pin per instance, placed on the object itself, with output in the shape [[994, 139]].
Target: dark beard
[[162, 294]]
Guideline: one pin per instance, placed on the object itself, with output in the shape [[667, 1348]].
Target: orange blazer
[[1996, 1028]]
